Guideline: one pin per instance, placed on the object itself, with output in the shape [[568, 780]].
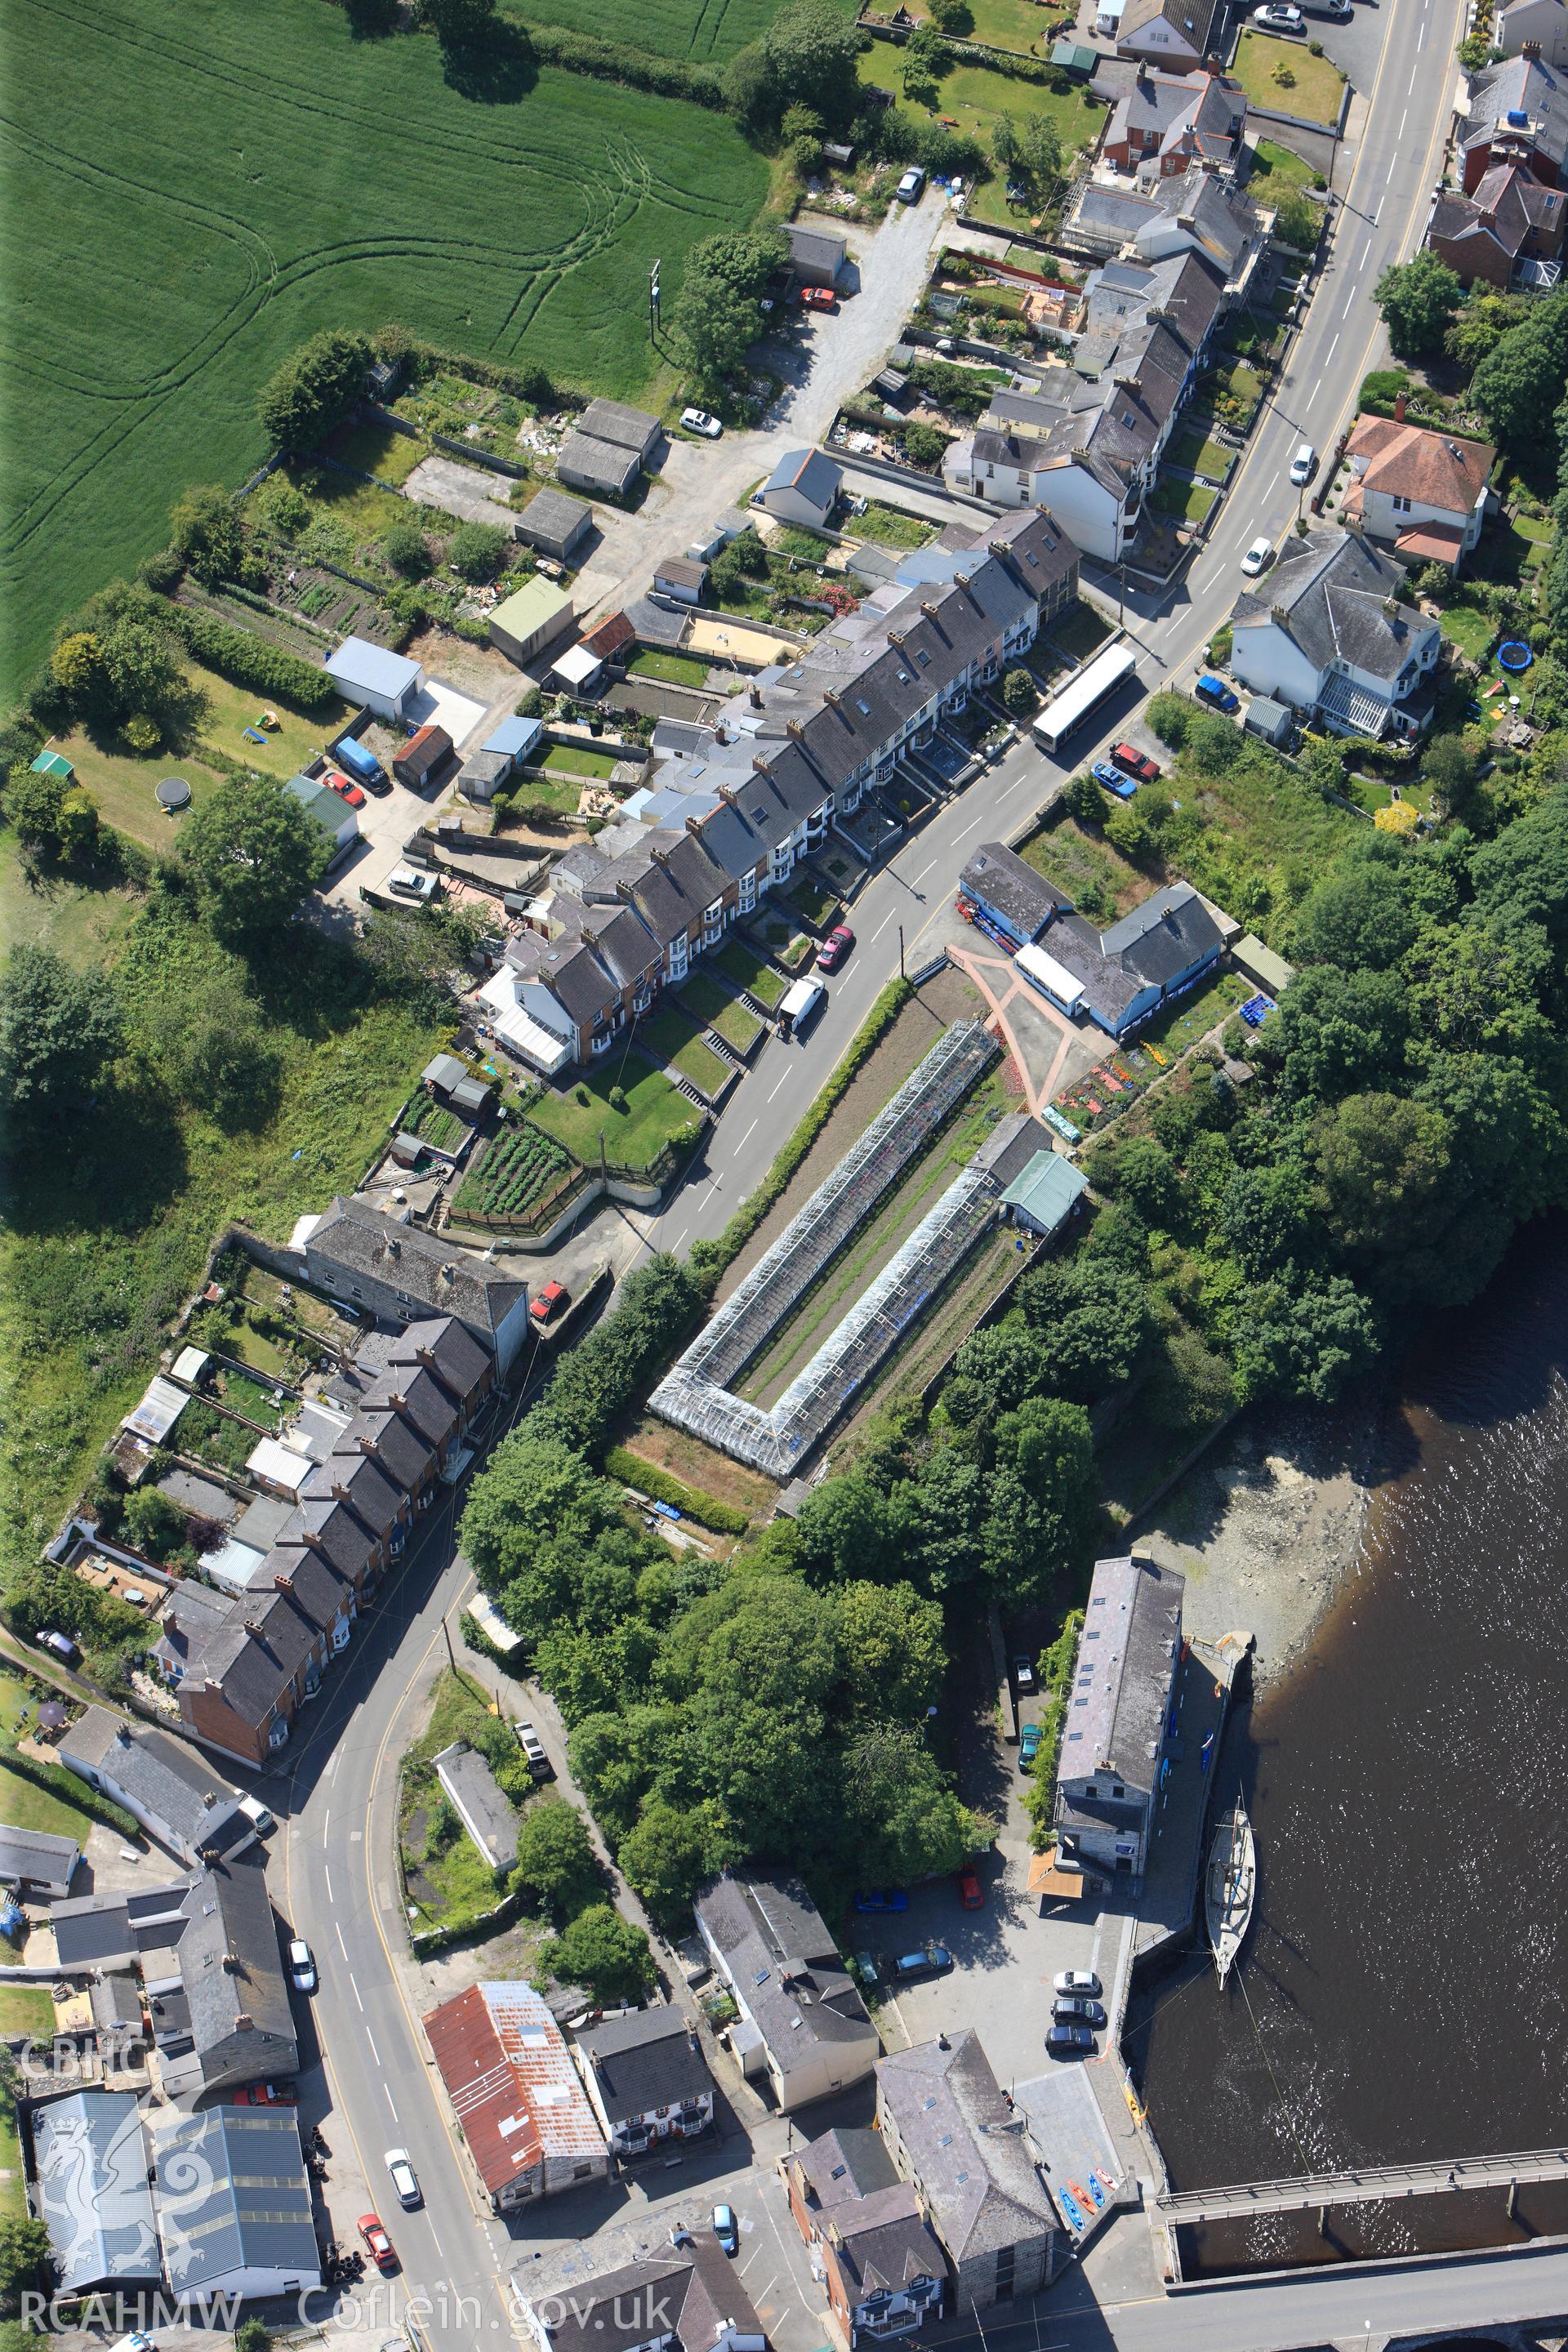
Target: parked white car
[[1258, 556], [1076, 1982], [697, 420], [1277, 17], [301, 1965], [1303, 464], [910, 187], [404, 2178]]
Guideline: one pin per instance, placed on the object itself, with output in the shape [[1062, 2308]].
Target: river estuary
[[1403, 1995]]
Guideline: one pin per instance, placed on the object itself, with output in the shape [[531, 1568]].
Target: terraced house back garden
[[155, 279]]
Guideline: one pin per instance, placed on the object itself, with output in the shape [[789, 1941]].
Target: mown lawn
[[1000, 24], [1190, 501], [571, 759], [124, 782], [708, 1002], [1470, 630], [577, 1113], [671, 670], [1275, 168], [1202, 456], [668, 1035], [749, 971], [1313, 94], [182, 217]]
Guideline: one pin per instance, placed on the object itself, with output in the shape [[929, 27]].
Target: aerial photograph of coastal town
[[784, 1175]]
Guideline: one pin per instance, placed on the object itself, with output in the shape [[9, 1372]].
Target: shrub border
[[724, 1519]]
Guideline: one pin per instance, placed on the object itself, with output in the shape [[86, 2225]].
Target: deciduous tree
[[315, 390], [1417, 300], [59, 1031], [252, 852]]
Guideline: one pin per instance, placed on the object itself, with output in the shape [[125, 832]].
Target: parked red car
[[971, 1893], [338, 783], [1136, 763], [818, 297], [377, 2242], [835, 948], [267, 2095], [549, 1302]]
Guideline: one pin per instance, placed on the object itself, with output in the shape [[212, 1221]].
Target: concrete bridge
[[1371, 2185]]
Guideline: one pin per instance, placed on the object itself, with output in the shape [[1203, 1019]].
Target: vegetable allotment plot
[[189, 192]]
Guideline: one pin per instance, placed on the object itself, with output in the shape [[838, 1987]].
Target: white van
[[256, 1814], [800, 1006]]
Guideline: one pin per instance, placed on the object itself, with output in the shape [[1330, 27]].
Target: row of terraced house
[[730, 811]]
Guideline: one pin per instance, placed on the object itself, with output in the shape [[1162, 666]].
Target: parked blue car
[[1029, 1747], [1113, 780], [881, 1898], [930, 1960], [1210, 689]]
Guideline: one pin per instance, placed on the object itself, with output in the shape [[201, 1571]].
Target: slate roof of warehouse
[[553, 514], [91, 1929], [1165, 935], [443, 1277], [1331, 588], [229, 1958], [965, 2145], [820, 248], [999, 877], [165, 1775], [644, 2060], [234, 2195], [1132, 1625], [510, 2080], [93, 2193]]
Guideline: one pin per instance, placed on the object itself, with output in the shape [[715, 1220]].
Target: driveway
[[824, 358]]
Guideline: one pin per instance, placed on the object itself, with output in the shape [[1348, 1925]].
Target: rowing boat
[[1229, 1888]]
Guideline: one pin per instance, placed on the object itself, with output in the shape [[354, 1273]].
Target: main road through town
[[339, 1883]]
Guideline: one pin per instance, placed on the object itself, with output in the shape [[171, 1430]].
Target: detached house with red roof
[[1509, 231], [1423, 494], [1167, 121]]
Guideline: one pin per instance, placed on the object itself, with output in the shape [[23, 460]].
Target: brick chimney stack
[[1399, 408]]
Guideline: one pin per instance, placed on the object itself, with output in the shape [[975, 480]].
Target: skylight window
[[863, 708]]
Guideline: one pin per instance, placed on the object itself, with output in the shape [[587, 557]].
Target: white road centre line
[[927, 869], [326, 1824], [982, 819], [742, 1145], [881, 926], [1403, 118], [679, 1237], [337, 1930], [374, 2050], [354, 1989], [327, 1874], [1333, 346], [781, 1081], [392, 2105]]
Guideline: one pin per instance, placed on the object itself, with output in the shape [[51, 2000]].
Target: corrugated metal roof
[[510, 2080]]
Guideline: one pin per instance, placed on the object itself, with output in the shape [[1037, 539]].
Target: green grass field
[[1315, 90], [655, 1112], [669, 1034], [225, 181], [704, 998], [748, 970], [671, 670], [572, 759], [1202, 456], [1188, 500], [972, 97]]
